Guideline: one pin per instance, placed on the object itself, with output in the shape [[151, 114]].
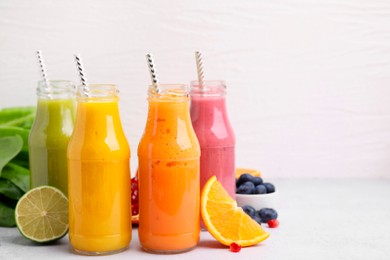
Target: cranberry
[[234, 247], [273, 223]]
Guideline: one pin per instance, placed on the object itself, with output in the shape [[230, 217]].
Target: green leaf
[[18, 175], [22, 160], [7, 214], [12, 131], [10, 146], [17, 116], [8, 189], [23, 122]]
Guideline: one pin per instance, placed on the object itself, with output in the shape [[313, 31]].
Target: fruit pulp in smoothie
[[48, 141], [216, 140], [169, 190], [99, 181]]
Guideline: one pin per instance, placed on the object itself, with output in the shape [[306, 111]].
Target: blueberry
[[249, 210], [257, 181], [260, 189], [244, 178], [246, 188], [257, 218], [267, 214], [270, 187]]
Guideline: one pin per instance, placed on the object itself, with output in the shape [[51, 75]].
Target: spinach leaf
[[17, 116], [10, 146], [7, 214], [18, 175], [23, 122], [12, 131], [8, 189], [22, 160], [15, 124]]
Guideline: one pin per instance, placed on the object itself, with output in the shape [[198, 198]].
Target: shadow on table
[[61, 244], [211, 244], [25, 242]]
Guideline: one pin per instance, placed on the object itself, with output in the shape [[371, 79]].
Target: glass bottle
[[50, 134], [214, 132], [168, 156], [99, 175]]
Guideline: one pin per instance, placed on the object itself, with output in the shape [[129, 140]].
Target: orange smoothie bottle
[[99, 175], [168, 161]]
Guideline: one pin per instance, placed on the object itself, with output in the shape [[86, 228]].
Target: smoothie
[[50, 134], [215, 134], [99, 176], [168, 155]]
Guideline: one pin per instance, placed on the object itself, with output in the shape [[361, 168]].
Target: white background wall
[[308, 81]]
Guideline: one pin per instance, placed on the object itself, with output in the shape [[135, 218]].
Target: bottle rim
[[211, 88], [57, 89], [97, 92], [168, 91]]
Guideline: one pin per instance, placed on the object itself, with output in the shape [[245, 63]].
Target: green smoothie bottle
[[50, 133]]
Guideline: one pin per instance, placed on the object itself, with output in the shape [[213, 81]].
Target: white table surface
[[320, 219]]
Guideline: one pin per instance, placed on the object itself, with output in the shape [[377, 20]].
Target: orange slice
[[225, 221], [135, 219], [252, 172]]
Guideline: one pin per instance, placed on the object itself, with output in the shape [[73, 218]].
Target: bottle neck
[[207, 102], [98, 93], [56, 89], [169, 109], [98, 120], [98, 128], [209, 116], [168, 103], [209, 89], [168, 93], [209, 98], [98, 102]]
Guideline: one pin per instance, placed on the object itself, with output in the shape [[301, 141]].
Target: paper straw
[[152, 70], [42, 68], [199, 68], [80, 69]]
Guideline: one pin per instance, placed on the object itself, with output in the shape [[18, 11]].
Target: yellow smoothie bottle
[[168, 168], [50, 134], [99, 175]]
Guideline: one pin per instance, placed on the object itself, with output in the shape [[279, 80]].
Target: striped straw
[[80, 69], [199, 68], [42, 68], [152, 70]]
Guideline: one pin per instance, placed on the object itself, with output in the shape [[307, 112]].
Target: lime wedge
[[42, 214]]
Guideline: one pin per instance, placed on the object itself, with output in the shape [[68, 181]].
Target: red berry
[[273, 223], [134, 196], [234, 247], [134, 209]]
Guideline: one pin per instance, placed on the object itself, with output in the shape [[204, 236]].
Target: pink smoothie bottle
[[214, 132]]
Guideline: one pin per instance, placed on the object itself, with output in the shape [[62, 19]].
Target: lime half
[[42, 214]]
